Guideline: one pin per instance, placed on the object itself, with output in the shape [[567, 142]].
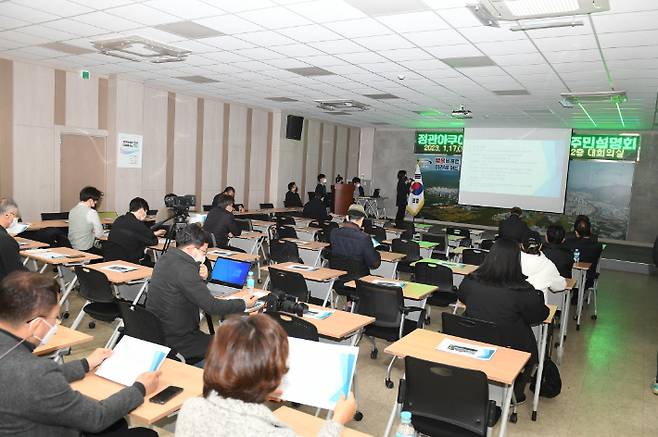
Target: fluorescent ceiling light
[[545, 25], [620, 116], [594, 97], [341, 107], [587, 114], [541, 7]]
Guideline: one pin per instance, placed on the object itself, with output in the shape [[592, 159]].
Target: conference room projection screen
[[525, 167]]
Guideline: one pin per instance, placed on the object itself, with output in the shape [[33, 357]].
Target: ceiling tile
[[286, 63], [310, 33], [630, 52], [384, 42], [322, 61], [628, 22], [362, 57], [142, 14], [259, 53], [61, 8], [229, 24], [522, 59], [456, 51], [323, 12], [573, 42], [227, 43], [401, 55], [446, 37], [572, 56], [225, 57], [414, 22], [297, 50], [507, 47], [266, 38], [189, 30], [628, 39], [274, 18], [488, 34], [239, 6], [459, 17], [74, 27], [188, 9], [337, 47], [25, 39], [359, 28], [24, 13], [107, 21]]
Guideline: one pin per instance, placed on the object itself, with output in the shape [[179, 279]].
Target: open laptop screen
[[230, 272]]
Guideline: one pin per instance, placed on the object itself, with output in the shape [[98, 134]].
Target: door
[[83, 161]]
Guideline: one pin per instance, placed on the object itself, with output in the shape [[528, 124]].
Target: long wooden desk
[[502, 368], [215, 253], [309, 251], [188, 377], [268, 211], [307, 425], [411, 290], [43, 224], [457, 268], [389, 265], [26, 244], [64, 338]]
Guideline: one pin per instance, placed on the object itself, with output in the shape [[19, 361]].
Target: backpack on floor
[[551, 383]]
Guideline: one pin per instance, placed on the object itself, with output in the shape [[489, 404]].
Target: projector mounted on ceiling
[[461, 113], [139, 49], [341, 105], [596, 97], [490, 12]]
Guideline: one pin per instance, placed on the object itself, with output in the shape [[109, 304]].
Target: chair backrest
[[152, 212], [474, 256], [383, 303], [327, 228], [409, 226], [292, 283], [459, 232], [486, 244], [434, 274], [94, 285], [407, 235], [266, 205], [295, 326], [430, 395], [286, 232], [54, 215], [244, 225], [285, 220], [436, 229], [376, 192], [311, 195], [410, 248], [282, 251], [141, 323], [439, 239], [378, 233], [472, 329], [354, 268], [207, 208]]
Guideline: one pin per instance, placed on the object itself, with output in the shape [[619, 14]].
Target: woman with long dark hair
[[401, 197], [498, 292]]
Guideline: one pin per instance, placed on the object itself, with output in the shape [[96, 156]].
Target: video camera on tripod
[[282, 302], [180, 204]]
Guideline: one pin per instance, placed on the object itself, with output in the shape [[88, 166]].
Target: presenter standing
[[401, 197]]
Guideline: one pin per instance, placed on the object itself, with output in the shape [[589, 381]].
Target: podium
[[343, 196]]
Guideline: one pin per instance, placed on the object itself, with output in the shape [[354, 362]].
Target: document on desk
[[17, 228], [470, 350], [384, 283], [45, 254], [220, 252], [302, 268], [319, 373], [131, 358], [118, 268]]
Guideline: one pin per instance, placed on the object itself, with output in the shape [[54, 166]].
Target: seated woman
[[541, 272], [498, 292], [244, 366]]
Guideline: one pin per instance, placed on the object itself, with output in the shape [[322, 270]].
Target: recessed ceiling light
[[189, 30], [382, 96], [281, 99], [197, 79], [67, 48], [310, 71], [512, 10], [137, 48], [468, 62], [511, 92], [376, 8]]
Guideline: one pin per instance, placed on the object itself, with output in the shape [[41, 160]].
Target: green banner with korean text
[[441, 142], [609, 147]]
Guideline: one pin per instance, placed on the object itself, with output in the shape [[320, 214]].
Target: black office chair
[[354, 268], [441, 249], [436, 229], [407, 235], [445, 400], [441, 276], [295, 326], [244, 225], [474, 256], [207, 208], [141, 323], [282, 251], [286, 232], [283, 220], [459, 232], [324, 235], [291, 283], [411, 249], [386, 305], [486, 244], [591, 253], [266, 205], [54, 216], [100, 301], [311, 195]]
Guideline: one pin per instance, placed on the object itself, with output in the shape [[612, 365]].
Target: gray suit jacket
[[37, 400]]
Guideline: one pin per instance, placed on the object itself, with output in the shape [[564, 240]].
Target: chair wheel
[[594, 316], [513, 417], [428, 321], [92, 325], [358, 416], [389, 383], [534, 416], [65, 315], [373, 354], [577, 327]]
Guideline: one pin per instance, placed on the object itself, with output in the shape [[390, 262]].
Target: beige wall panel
[[185, 145], [81, 101], [353, 159], [313, 150], [327, 163], [154, 159], [130, 120], [258, 158], [34, 95], [276, 195], [237, 136], [212, 150], [34, 179], [341, 152]]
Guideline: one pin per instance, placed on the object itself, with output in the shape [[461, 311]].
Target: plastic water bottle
[[576, 255], [405, 428], [250, 282]]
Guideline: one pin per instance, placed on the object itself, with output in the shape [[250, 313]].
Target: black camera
[[180, 202], [285, 303]]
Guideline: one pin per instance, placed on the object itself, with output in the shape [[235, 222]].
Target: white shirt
[[84, 226], [541, 272]]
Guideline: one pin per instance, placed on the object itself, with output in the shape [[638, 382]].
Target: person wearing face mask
[[10, 260], [130, 236], [321, 187], [84, 223], [292, 197], [178, 291], [230, 191], [221, 223], [357, 187], [37, 399]]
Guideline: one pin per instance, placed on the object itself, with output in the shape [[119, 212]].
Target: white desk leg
[[504, 417], [543, 329], [564, 323], [141, 292], [329, 291], [581, 294], [392, 416], [68, 290]]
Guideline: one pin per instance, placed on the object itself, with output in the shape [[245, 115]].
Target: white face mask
[[51, 332], [357, 185], [323, 181], [201, 258], [14, 222]]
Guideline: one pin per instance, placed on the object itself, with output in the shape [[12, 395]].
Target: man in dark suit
[[557, 251], [10, 260], [350, 241], [130, 236], [513, 227], [590, 249], [292, 197], [178, 291], [220, 222], [321, 187]]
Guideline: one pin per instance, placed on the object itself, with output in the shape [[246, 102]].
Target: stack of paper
[[118, 268], [467, 349], [132, 357], [302, 267]]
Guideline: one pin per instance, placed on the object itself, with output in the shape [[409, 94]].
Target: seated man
[[316, 209], [350, 241], [230, 191], [513, 227], [581, 218], [129, 236], [557, 251], [84, 223], [178, 291], [589, 249], [37, 399], [10, 259], [221, 221], [292, 197]]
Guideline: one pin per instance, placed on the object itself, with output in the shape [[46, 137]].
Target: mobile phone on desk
[[165, 395]]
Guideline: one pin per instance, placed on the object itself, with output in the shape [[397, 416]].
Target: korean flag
[[416, 193]]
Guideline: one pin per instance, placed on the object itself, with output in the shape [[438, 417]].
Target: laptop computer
[[228, 276]]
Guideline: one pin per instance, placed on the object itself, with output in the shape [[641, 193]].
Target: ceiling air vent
[[139, 49], [341, 106]]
